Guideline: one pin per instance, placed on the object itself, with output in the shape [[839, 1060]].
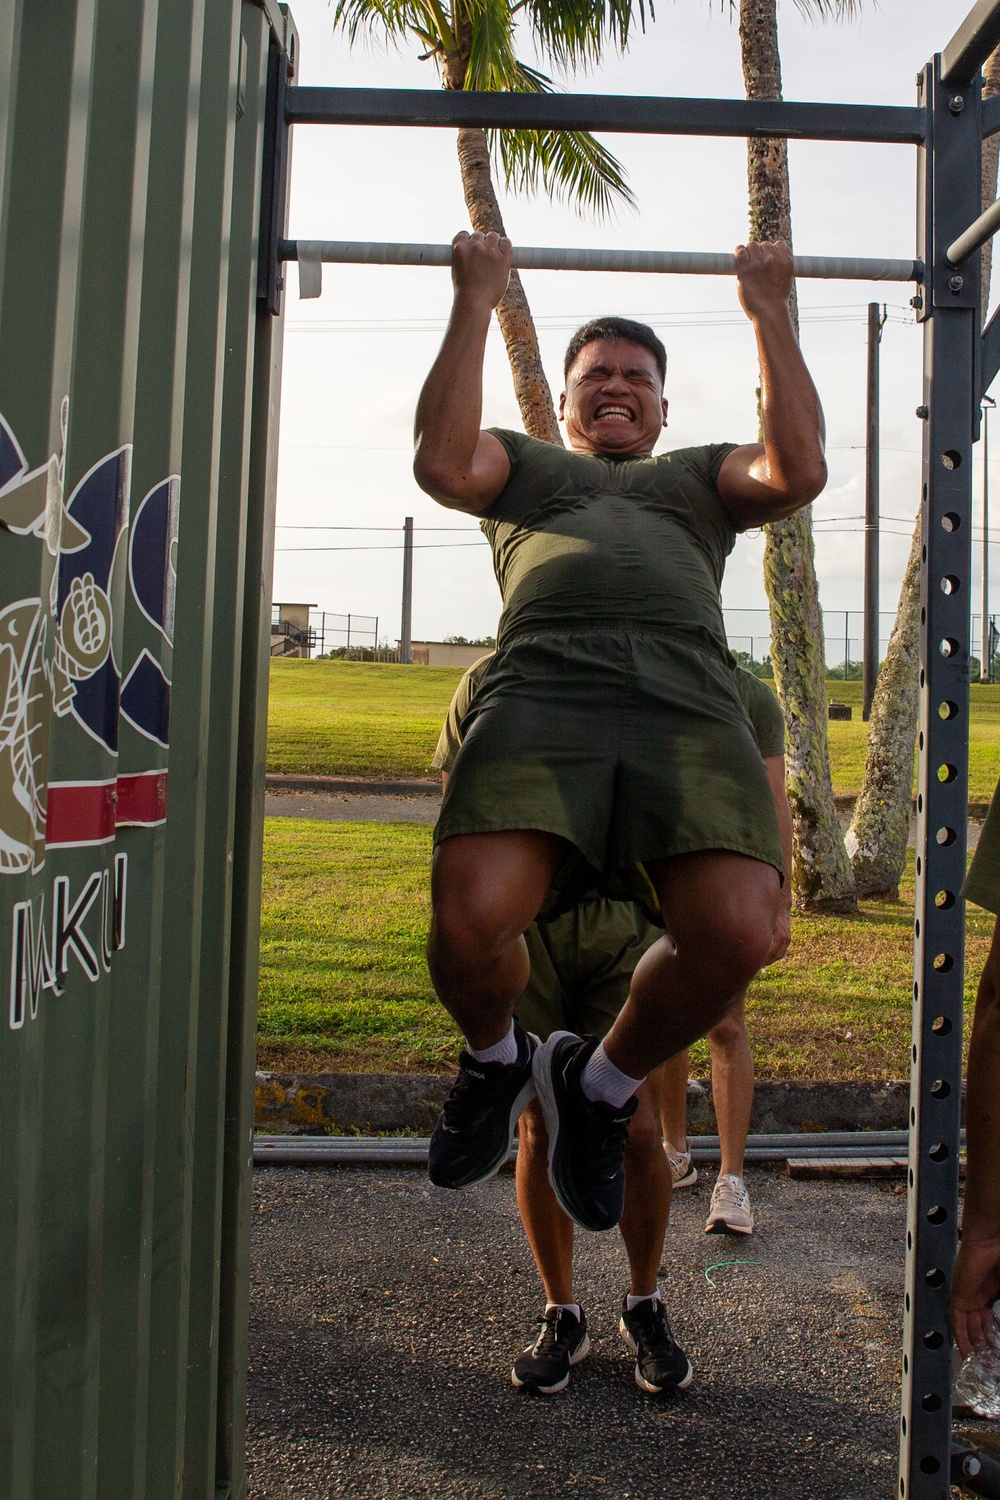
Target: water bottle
[[978, 1382]]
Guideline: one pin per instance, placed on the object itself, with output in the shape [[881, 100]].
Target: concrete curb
[[370, 1103]]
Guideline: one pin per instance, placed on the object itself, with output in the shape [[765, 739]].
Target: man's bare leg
[[720, 910], [732, 1086], [643, 1223], [548, 1229], [485, 889], [669, 1082], [646, 1214]]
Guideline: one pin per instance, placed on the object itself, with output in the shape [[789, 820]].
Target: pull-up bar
[[312, 254]]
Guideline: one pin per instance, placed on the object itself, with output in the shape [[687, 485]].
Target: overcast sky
[[355, 358]]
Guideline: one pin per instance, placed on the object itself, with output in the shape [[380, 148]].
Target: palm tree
[[472, 44], [822, 879], [879, 828]]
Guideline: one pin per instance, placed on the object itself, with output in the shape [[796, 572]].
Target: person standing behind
[[975, 1282], [732, 1060]]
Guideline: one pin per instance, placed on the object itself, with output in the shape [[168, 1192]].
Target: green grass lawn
[[344, 984], [361, 719]]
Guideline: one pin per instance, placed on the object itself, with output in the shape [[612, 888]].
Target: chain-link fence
[[749, 632]]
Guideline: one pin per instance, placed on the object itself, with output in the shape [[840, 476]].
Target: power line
[[379, 547]]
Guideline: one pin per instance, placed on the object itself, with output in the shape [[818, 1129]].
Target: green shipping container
[[139, 384]]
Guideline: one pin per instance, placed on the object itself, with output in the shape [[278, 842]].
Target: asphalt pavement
[[386, 1314]]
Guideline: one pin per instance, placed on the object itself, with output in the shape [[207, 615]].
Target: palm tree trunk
[[513, 314], [534, 398], [822, 879], [876, 839], [878, 833]]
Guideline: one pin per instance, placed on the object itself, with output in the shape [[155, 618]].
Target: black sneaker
[[562, 1343], [587, 1139], [473, 1137], [661, 1364]]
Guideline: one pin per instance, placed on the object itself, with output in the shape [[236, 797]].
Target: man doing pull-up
[[609, 721]]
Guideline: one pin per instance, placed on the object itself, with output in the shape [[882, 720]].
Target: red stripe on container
[[142, 799], [80, 813]]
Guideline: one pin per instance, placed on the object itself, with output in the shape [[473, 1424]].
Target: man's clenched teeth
[[620, 413]]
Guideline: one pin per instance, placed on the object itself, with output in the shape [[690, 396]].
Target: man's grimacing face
[[613, 401]]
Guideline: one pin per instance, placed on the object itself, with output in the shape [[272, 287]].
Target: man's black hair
[[616, 328]]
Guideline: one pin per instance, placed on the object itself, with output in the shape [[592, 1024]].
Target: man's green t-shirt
[[763, 711], [580, 541]]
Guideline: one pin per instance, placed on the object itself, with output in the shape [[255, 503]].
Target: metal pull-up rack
[[947, 124]]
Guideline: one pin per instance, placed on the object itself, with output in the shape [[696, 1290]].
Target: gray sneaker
[[683, 1172], [730, 1211]]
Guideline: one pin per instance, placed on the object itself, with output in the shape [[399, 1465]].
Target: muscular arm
[[976, 1280], [767, 481], [775, 767], [461, 466]]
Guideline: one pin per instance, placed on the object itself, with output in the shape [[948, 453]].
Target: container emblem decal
[[85, 674]]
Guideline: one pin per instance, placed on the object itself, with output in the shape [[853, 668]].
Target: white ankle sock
[[504, 1051], [631, 1301], [573, 1307], [601, 1080]]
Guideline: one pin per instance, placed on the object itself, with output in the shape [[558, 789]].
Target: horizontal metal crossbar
[[978, 232], [312, 253], [624, 113], [323, 1150], [972, 43]]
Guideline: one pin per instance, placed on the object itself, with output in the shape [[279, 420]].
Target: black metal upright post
[[950, 189], [406, 623], [870, 647]]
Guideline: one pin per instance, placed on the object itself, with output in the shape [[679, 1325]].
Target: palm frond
[[570, 166], [831, 10], [492, 62], [396, 19], [575, 33]]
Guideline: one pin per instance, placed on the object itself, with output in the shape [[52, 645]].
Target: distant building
[[290, 633], [446, 654]]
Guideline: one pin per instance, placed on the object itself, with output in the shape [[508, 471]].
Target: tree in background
[[473, 44], [877, 838], [822, 878]]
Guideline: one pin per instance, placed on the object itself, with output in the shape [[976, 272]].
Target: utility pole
[[984, 632], [871, 642], [405, 643]]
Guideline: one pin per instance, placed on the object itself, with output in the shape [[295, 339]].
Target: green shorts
[[632, 745], [982, 884], [581, 967]]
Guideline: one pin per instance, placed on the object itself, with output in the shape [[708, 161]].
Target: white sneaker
[[682, 1172], [730, 1211]]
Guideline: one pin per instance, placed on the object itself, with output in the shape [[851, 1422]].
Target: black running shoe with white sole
[[660, 1364], [472, 1139], [587, 1138], [561, 1343]]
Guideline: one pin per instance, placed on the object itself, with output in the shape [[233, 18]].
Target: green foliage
[[463, 640], [762, 669], [477, 39]]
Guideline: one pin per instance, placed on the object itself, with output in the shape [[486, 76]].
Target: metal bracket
[[975, 1472]]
